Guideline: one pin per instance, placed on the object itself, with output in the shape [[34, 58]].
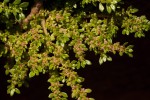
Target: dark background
[[122, 79]]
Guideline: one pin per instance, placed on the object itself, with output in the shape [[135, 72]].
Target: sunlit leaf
[[101, 7], [31, 74], [16, 2], [6, 1], [113, 7], [108, 8], [24, 5]]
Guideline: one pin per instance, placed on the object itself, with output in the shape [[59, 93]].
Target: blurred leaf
[[88, 62], [31, 74], [101, 7], [88, 90], [24, 5], [12, 92], [17, 90], [16, 2], [108, 9], [130, 50], [100, 61], [113, 7], [1, 9], [109, 58], [6, 1], [64, 94]]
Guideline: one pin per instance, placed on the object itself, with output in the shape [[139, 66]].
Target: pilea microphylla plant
[[37, 37]]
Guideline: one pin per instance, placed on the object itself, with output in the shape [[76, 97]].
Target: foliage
[[42, 41]]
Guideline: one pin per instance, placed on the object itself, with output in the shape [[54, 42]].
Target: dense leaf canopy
[[37, 37]]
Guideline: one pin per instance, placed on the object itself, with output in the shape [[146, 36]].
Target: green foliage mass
[[69, 26]]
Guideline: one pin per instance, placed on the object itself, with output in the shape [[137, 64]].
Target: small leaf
[[88, 62], [109, 59], [24, 5], [78, 65], [124, 32], [16, 2], [36, 72], [103, 1], [91, 99], [100, 61], [17, 90], [39, 68], [21, 16], [88, 90], [108, 9], [7, 72], [1, 10], [130, 50], [51, 95], [75, 6], [63, 81], [52, 37], [121, 53], [12, 92], [101, 7], [31, 74], [130, 55], [6, 1], [134, 10], [7, 14], [104, 59], [64, 94], [113, 7]]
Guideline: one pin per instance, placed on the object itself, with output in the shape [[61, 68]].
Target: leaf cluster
[[45, 48]]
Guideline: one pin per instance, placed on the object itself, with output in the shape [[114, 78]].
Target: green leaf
[[83, 63], [7, 72], [16, 2], [100, 61], [6, 1], [113, 7], [91, 99], [109, 58], [39, 68], [134, 10], [52, 37], [103, 1], [31, 74], [121, 53], [130, 50], [63, 81], [78, 65], [24, 5], [88, 62], [108, 9], [124, 32], [7, 14], [64, 94], [88, 90], [12, 92], [51, 95], [17, 90], [130, 55], [75, 6], [36, 72], [101, 7], [64, 56], [74, 94], [1, 10], [104, 59], [21, 16]]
